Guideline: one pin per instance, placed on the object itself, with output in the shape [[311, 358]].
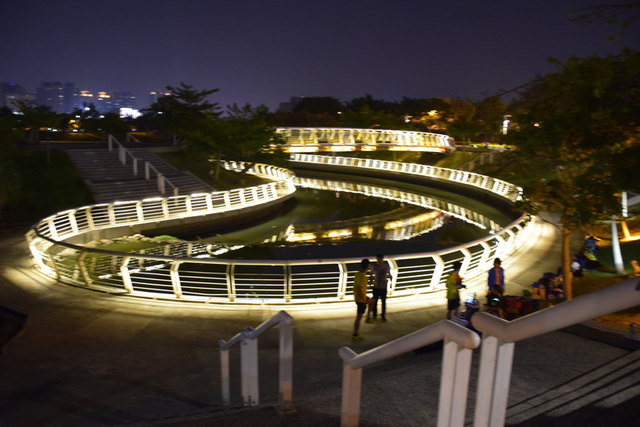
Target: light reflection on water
[[332, 211]]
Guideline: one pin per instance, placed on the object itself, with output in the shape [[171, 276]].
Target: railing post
[[454, 384], [175, 279], [285, 401], [126, 277], [496, 359], [83, 268], [351, 390], [249, 368], [161, 183], [224, 375]]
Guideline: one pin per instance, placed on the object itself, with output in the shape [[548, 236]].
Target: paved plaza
[[87, 358]]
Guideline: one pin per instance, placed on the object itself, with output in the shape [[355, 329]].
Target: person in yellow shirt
[[454, 283], [360, 285]]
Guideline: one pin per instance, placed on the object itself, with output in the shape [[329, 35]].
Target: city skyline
[[266, 53]]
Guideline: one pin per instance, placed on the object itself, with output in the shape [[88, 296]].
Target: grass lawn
[[595, 280], [202, 168]]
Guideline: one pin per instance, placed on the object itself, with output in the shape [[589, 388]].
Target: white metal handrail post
[[161, 183], [500, 336], [285, 400], [454, 384], [496, 360], [249, 368], [351, 391], [459, 344], [224, 376], [248, 339]]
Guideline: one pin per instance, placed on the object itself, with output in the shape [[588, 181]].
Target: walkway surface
[[90, 359]]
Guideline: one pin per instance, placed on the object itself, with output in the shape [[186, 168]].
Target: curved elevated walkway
[[103, 360]]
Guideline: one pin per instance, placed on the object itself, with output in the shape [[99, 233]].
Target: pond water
[[337, 218], [329, 218]]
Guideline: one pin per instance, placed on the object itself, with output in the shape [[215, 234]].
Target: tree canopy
[[175, 112], [583, 122]]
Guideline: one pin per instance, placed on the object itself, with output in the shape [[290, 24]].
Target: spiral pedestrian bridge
[[197, 272]]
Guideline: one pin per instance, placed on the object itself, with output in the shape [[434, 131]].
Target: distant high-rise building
[[10, 93], [287, 107], [122, 99], [61, 98], [153, 96]]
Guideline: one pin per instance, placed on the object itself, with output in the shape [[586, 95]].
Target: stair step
[[110, 180], [605, 386]]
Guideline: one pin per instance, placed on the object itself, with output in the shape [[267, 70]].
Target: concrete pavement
[[91, 359]]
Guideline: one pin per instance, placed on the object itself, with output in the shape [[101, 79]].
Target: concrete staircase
[[110, 180], [606, 395]]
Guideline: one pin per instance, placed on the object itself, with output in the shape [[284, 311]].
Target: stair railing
[[499, 337], [459, 343], [124, 154], [248, 340]]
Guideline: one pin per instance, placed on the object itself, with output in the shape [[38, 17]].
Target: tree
[[33, 118], [367, 101], [244, 134], [366, 118], [175, 113], [11, 181], [580, 120], [623, 15], [489, 115], [319, 105]]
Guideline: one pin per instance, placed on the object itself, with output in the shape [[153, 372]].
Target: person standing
[[381, 273], [496, 276], [454, 283], [360, 285]]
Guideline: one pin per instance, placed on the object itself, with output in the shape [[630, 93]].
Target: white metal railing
[[52, 255], [194, 272], [447, 208], [500, 336], [125, 156], [496, 358], [501, 188], [305, 140], [482, 159], [248, 340], [459, 343]]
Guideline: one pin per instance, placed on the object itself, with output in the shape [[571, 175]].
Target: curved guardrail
[[195, 275], [496, 186], [308, 140]]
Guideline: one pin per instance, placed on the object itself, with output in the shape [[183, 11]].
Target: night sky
[[264, 52]]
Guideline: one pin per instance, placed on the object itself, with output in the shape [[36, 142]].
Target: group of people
[[375, 276], [495, 284]]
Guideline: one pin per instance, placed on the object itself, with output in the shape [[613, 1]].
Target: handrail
[[344, 139], [456, 368], [501, 188], [123, 153], [249, 362], [482, 159], [191, 271], [499, 337]]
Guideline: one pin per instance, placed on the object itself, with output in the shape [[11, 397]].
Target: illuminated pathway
[[58, 244], [311, 140]]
